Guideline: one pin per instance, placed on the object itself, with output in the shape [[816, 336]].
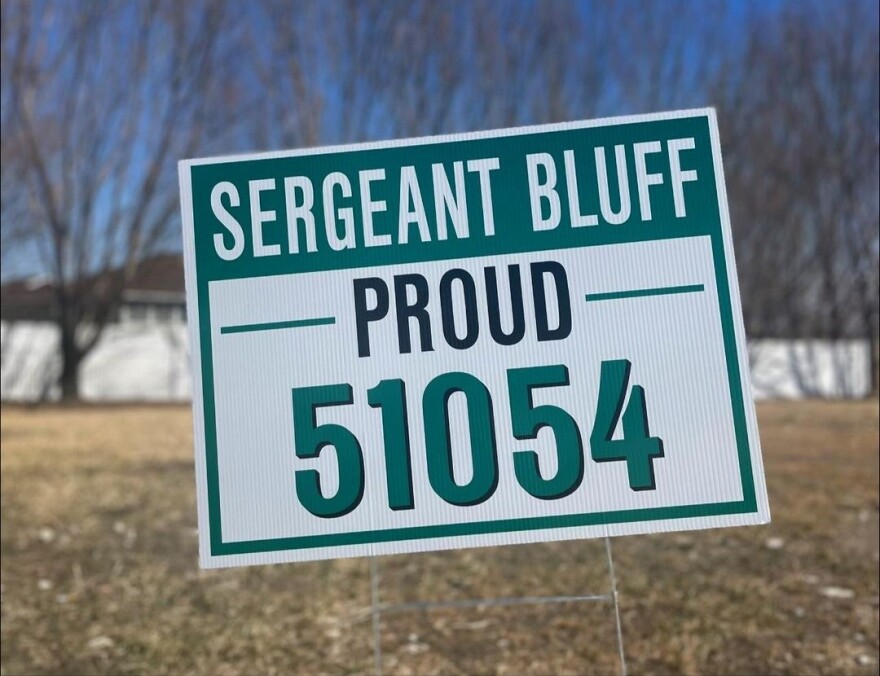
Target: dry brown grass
[[99, 571]]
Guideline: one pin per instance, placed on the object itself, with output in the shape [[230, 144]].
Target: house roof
[[163, 272], [158, 278]]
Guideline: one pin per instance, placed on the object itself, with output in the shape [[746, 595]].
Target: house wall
[[150, 362], [796, 369], [142, 362]]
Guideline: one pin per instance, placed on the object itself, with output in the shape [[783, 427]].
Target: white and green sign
[[511, 336]]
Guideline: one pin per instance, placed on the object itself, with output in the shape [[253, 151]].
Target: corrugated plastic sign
[[511, 336]]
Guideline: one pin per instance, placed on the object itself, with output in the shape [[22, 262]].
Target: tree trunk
[[70, 361], [875, 364]]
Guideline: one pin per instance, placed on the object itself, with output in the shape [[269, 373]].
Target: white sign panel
[[514, 336]]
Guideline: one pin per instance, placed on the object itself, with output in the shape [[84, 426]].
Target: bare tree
[[102, 101], [354, 71], [799, 108]]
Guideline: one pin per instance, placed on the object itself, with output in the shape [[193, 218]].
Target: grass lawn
[[100, 575]]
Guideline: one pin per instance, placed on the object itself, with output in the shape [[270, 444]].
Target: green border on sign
[[514, 235]]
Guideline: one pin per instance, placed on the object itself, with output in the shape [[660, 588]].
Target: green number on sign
[[637, 448], [528, 420], [438, 445], [310, 439], [390, 397]]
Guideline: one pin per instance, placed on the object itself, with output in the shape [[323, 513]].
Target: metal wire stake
[[613, 577], [377, 607], [377, 620]]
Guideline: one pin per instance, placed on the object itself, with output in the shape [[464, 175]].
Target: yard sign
[[511, 336]]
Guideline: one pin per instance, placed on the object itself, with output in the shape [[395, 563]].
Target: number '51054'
[[637, 448]]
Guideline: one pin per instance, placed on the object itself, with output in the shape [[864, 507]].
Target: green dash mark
[[641, 293], [271, 326]]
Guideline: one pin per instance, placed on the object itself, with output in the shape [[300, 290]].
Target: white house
[[143, 354]]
